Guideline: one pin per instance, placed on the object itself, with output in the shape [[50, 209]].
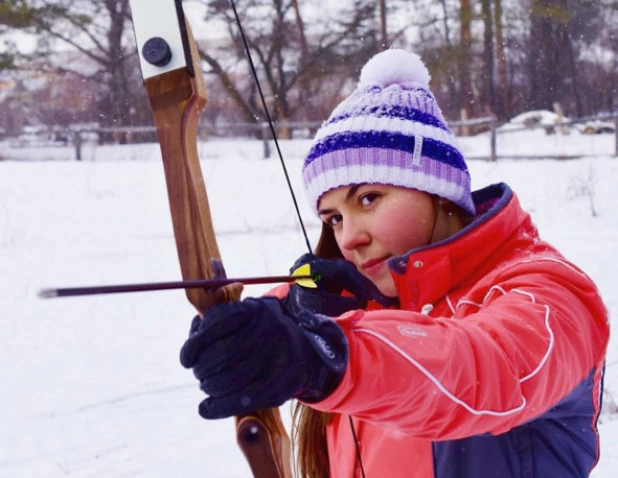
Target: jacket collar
[[426, 274]]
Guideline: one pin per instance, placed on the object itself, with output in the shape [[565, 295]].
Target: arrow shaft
[[151, 286]]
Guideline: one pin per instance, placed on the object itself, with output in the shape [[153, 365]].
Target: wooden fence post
[[559, 118], [77, 141], [265, 134], [464, 131], [616, 135], [493, 138]]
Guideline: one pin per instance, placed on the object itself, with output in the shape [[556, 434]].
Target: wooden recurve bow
[[175, 85]]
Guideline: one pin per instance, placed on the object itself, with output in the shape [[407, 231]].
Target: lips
[[372, 266]]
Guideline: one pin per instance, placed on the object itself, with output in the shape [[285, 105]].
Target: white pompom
[[395, 67]]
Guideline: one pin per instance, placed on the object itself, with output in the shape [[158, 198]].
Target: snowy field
[[92, 387]]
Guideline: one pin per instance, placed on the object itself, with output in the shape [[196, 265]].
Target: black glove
[[254, 354], [335, 276]]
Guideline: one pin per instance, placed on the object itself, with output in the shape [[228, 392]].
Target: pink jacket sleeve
[[500, 361]]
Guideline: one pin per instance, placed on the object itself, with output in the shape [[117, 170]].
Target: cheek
[[403, 230]]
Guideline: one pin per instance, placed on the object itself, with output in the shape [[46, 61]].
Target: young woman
[[446, 338]]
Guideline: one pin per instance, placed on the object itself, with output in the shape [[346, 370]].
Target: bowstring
[[270, 124], [287, 177]]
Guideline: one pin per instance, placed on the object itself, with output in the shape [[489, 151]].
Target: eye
[[333, 220], [368, 199]]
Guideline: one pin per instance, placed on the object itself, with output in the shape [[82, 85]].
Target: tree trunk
[[465, 58], [503, 106], [278, 86], [547, 53], [305, 93], [489, 99], [300, 25], [539, 63], [118, 14], [383, 31], [566, 40], [451, 81]]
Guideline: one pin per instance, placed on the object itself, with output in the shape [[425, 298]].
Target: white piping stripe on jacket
[[475, 304], [550, 347], [557, 261], [439, 385], [384, 124], [548, 259], [547, 324], [450, 304]]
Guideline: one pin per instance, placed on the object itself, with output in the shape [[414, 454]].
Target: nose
[[354, 234]]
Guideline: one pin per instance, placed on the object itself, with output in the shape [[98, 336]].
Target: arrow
[[301, 276]]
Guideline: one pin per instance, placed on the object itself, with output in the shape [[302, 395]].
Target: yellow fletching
[[304, 271]]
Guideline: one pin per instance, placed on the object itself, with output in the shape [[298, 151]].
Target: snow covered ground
[[92, 387]]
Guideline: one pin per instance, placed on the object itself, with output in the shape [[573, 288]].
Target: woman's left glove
[[335, 276], [255, 354]]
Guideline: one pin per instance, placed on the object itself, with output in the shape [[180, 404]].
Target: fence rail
[[78, 135]]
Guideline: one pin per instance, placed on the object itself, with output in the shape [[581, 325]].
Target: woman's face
[[374, 222]]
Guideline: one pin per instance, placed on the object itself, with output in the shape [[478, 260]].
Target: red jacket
[[488, 368]]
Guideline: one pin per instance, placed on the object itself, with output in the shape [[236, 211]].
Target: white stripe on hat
[[387, 124], [371, 173]]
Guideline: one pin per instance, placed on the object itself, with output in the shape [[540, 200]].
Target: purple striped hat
[[390, 130]]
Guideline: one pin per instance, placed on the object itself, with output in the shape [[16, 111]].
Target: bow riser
[[178, 97], [176, 116]]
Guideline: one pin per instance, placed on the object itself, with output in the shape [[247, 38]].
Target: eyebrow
[[348, 196]]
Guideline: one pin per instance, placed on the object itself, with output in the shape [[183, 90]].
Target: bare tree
[[101, 48], [14, 15], [466, 14], [489, 97], [559, 30], [383, 22], [504, 56], [503, 106], [494, 79], [289, 52]]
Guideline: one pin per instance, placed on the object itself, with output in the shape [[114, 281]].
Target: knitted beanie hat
[[390, 130]]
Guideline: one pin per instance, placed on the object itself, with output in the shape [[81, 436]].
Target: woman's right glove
[[256, 354], [334, 277]]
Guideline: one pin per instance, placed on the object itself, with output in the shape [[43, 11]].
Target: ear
[[448, 207]]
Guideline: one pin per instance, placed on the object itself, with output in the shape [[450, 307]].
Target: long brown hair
[[309, 439], [309, 425]]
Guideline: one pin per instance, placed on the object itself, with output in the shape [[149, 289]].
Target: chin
[[387, 287]]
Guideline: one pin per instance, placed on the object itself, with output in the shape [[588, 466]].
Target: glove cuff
[[328, 356]]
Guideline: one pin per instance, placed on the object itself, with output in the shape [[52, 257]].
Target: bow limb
[[175, 85]]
